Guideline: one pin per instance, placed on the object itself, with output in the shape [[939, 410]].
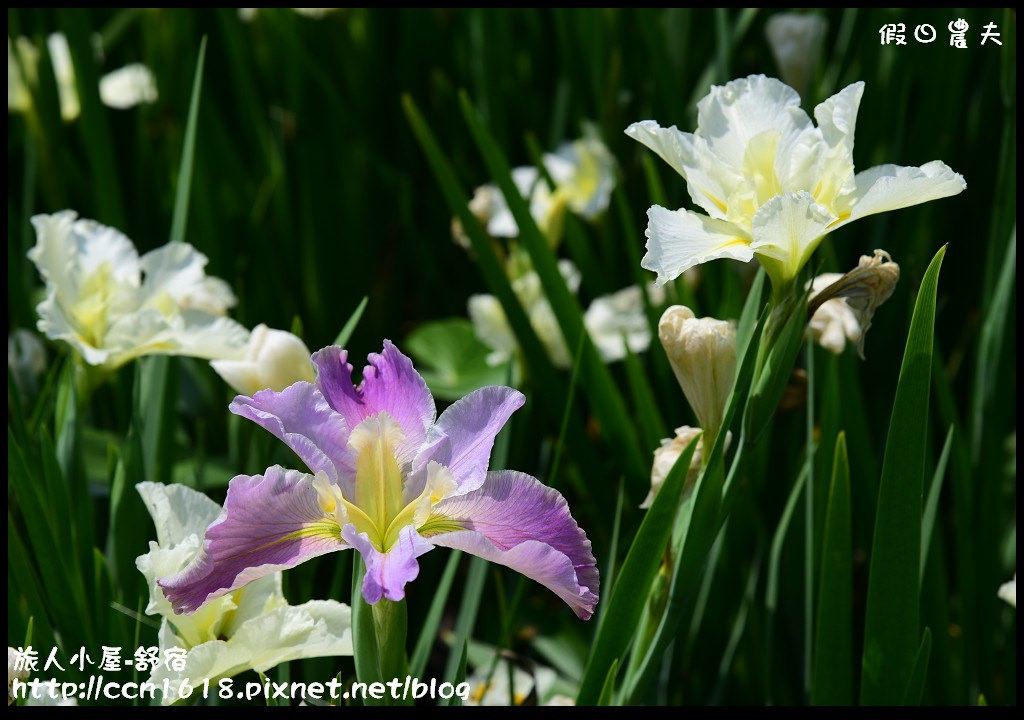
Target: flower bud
[[272, 359], [702, 352], [796, 40], [665, 458], [1008, 592], [842, 306]]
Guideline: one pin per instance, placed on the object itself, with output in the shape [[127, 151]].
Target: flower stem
[[390, 624]]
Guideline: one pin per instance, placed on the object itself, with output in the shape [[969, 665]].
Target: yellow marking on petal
[[843, 217], [436, 524], [439, 485], [378, 477], [721, 205]]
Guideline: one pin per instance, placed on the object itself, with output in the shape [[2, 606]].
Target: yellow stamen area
[[378, 510]]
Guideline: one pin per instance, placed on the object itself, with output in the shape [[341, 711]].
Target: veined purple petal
[[387, 573], [300, 416], [270, 522], [390, 384], [515, 520], [463, 437]]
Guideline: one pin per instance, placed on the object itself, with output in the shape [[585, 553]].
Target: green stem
[[390, 625]]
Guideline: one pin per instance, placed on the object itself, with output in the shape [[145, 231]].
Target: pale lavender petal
[[300, 416], [270, 522], [515, 520], [387, 573], [390, 384], [464, 435]]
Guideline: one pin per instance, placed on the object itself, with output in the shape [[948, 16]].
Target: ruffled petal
[[178, 511], [390, 384], [514, 520], [318, 628], [679, 239], [388, 572], [891, 187], [300, 416], [787, 229], [710, 183], [270, 522], [732, 114], [463, 437]]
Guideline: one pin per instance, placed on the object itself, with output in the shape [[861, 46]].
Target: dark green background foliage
[[311, 191]]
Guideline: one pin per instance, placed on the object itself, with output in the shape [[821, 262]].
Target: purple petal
[[387, 573], [300, 416], [464, 435], [515, 520], [269, 523], [390, 384]]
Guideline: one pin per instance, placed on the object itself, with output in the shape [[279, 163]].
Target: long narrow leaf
[[832, 682], [892, 616], [639, 569]]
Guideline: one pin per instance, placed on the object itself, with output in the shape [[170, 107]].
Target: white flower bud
[[1008, 591], [272, 359], [702, 352], [665, 458], [128, 86], [842, 306], [796, 40]]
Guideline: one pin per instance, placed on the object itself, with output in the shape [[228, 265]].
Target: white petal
[[795, 40], [837, 121], [679, 239], [490, 325], [1008, 591], [709, 182], [617, 320], [316, 629], [732, 114], [21, 74], [64, 72], [891, 187], [787, 229], [585, 171], [128, 86], [178, 511], [272, 359]]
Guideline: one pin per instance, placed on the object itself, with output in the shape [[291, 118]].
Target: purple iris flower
[[390, 479]]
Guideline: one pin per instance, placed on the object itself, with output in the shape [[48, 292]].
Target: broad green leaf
[[832, 682], [452, 359], [629, 596], [892, 617]]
